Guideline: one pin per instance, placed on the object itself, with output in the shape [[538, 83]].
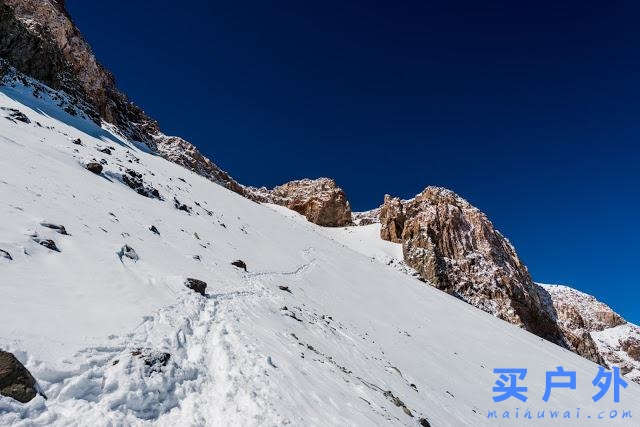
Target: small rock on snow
[[196, 285], [94, 167], [240, 264], [59, 228]]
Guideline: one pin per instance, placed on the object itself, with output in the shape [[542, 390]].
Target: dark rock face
[[320, 200], [15, 380], [94, 167], [454, 246], [240, 264], [196, 285]]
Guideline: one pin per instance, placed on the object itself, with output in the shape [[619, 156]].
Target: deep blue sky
[[529, 112]]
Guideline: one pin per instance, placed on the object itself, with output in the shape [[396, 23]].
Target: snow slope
[[346, 341]]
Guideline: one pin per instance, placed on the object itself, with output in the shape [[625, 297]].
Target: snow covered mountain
[[313, 332]]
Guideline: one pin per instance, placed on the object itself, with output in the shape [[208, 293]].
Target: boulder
[[196, 285], [240, 264], [94, 167], [15, 380]]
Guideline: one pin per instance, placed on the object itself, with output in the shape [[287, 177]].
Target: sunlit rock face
[[320, 200]]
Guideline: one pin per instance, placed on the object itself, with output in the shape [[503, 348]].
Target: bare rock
[[320, 200], [154, 230], [94, 167], [196, 285], [15, 380]]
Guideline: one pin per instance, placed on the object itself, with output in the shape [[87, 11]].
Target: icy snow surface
[[318, 331]]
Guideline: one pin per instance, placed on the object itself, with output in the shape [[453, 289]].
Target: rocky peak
[[455, 247], [320, 200]]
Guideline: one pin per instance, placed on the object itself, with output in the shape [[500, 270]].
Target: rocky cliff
[[39, 39], [455, 247], [320, 200]]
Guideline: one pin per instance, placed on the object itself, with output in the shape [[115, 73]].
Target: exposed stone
[[105, 150], [94, 167], [320, 200], [196, 285], [154, 230], [16, 381], [77, 141]]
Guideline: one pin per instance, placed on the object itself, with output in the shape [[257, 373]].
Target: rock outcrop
[[454, 247], [593, 330], [320, 200]]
